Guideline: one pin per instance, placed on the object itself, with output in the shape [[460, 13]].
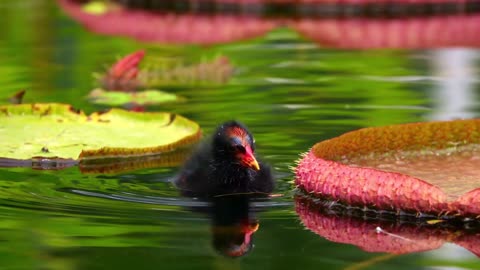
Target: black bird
[[226, 164]]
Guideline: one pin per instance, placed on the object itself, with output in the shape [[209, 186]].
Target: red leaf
[[127, 66]]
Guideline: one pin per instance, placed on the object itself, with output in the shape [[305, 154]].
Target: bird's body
[[225, 164]]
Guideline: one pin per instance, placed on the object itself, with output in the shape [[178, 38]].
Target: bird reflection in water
[[225, 172], [233, 225]]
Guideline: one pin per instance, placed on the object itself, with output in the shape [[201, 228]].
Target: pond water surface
[[290, 92]]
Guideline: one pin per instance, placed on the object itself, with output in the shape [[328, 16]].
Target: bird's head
[[232, 141]]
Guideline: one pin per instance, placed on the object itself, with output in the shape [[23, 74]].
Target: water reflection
[[383, 232], [112, 165], [362, 24], [232, 224]]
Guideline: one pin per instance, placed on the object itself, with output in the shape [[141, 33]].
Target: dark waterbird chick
[[225, 164]]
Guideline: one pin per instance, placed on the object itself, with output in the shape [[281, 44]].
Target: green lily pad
[[147, 97], [57, 130]]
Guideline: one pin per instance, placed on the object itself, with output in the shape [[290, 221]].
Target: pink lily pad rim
[[321, 174]]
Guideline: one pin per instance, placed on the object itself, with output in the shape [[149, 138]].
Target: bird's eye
[[240, 148]]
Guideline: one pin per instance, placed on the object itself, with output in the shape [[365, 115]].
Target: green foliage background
[[290, 92]]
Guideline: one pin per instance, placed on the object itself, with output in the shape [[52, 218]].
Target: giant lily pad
[[429, 167], [58, 131], [406, 32], [114, 19], [345, 24]]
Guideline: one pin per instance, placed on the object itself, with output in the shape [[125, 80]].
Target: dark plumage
[[225, 164]]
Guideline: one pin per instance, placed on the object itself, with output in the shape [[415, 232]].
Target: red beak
[[248, 159]]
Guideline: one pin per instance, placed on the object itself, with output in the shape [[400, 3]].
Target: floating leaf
[[125, 82], [128, 76], [166, 27], [405, 32], [57, 130], [421, 167], [341, 28], [147, 97], [175, 72], [122, 84]]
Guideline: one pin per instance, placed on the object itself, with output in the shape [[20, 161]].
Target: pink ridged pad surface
[[369, 187], [331, 168], [406, 33], [352, 33], [169, 28]]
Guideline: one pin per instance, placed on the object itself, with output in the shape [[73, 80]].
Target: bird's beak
[[254, 164], [249, 159]]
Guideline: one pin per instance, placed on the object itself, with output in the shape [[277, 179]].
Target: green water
[[289, 91]]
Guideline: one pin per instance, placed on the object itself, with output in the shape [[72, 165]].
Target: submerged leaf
[[57, 130]]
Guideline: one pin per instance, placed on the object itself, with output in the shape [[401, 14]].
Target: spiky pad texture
[[325, 171]]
